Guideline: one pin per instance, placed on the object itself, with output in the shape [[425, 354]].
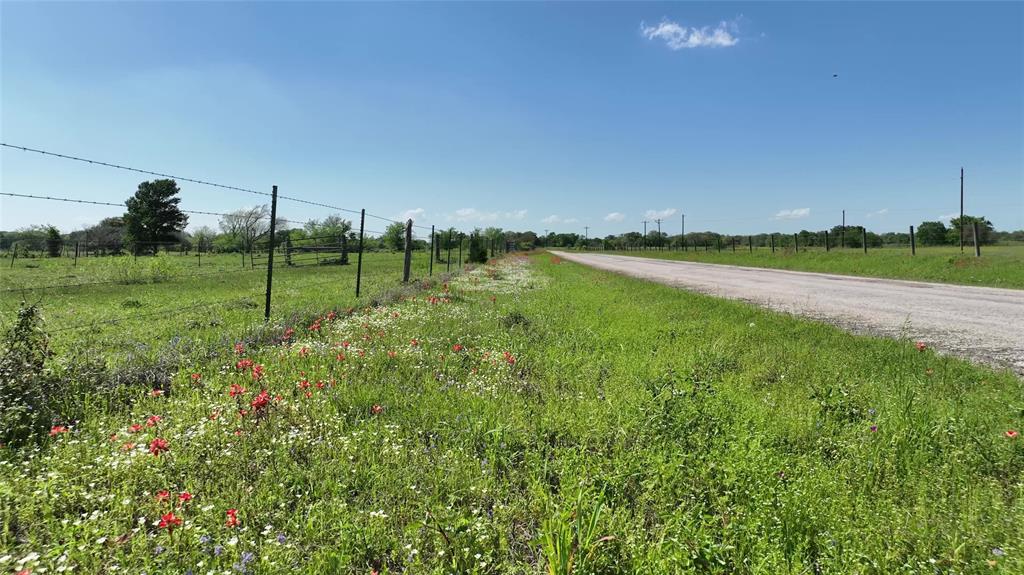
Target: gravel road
[[981, 324]]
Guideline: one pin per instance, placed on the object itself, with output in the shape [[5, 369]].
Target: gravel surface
[[977, 323]]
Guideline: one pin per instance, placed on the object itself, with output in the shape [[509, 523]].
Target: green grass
[[588, 423], [151, 305], [999, 266]]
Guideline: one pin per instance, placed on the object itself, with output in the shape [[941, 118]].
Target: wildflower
[[457, 347], [921, 346], [281, 538], [204, 539], [257, 372], [128, 446], [243, 364], [376, 409], [235, 389], [340, 357], [158, 549], [288, 333], [239, 348], [162, 496], [156, 393], [1011, 433], [184, 497], [261, 401], [113, 437], [153, 420], [214, 416], [232, 520], [392, 354], [57, 430], [169, 521], [331, 315], [414, 342], [511, 359], [929, 371], [158, 446], [303, 351], [217, 550], [196, 377], [874, 428]]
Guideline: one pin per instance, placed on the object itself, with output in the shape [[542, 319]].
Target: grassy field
[[537, 417], [170, 303], [999, 266]]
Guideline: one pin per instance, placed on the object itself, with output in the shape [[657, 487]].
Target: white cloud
[[878, 213], [660, 214], [677, 37], [794, 214], [475, 215], [555, 219], [948, 217], [614, 217], [413, 214]]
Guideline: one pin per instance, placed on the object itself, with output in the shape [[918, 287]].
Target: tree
[[333, 229], [109, 234], [394, 237], [477, 248], [53, 242], [245, 225], [203, 238], [153, 214], [932, 233], [985, 230]]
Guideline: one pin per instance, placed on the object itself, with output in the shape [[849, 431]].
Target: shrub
[[26, 385]]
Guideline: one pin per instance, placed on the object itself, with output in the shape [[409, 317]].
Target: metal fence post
[[433, 238], [796, 243], [864, 238], [270, 252], [408, 252], [750, 243], [913, 244], [827, 249], [359, 260], [461, 239], [977, 245], [76, 254], [773, 242], [448, 259]]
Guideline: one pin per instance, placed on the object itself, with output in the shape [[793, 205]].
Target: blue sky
[[524, 115]]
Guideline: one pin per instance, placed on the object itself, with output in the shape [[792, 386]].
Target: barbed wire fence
[[271, 244]]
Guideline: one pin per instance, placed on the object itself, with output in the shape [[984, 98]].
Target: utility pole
[[682, 232], [643, 240], [961, 226], [842, 232], [659, 233]]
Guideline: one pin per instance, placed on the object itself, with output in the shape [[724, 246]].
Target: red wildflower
[[392, 354], [362, 353], [128, 446], [303, 352], [158, 446], [196, 377], [457, 347], [257, 372], [169, 521], [304, 384], [235, 390], [113, 437], [331, 315], [135, 428], [239, 348], [309, 394], [261, 401], [184, 497], [315, 326], [376, 409], [1011, 433], [214, 416], [921, 346], [319, 384], [162, 495], [288, 333], [232, 518], [414, 342], [156, 393], [153, 420], [511, 359], [340, 357], [243, 364], [57, 430], [345, 344]]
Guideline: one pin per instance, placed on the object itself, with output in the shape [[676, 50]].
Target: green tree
[[394, 237], [153, 214], [985, 230], [53, 242], [477, 248], [932, 234]]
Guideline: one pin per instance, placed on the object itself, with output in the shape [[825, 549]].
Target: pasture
[[531, 416], [999, 266]]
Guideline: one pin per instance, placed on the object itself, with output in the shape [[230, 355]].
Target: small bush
[[26, 385]]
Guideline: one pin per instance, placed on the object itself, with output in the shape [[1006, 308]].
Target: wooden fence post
[[408, 252], [827, 248], [864, 238], [977, 245], [270, 253], [913, 244]]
